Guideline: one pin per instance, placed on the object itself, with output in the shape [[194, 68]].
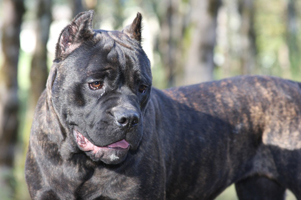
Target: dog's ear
[[134, 30], [78, 31]]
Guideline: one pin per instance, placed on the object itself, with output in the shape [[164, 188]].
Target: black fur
[[185, 143]]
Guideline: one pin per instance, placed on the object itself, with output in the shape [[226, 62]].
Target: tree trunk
[[292, 38], [200, 63], [248, 37], [39, 69], [170, 42], [77, 6], [9, 104]]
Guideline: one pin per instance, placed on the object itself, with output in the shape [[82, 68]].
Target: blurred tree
[[185, 44], [39, 69], [77, 6], [227, 34], [292, 37], [247, 36], [170, 28], [170, 40], [199, 65], [272, 53], [118, 14], [9, 104]]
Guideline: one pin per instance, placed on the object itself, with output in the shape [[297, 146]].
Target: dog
[[101, 131]]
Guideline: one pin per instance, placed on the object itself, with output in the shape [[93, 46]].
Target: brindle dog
[[101, 131]]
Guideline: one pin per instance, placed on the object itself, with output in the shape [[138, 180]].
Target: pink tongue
[[120, 144]]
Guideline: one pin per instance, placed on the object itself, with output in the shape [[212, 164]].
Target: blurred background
[[187, 41]]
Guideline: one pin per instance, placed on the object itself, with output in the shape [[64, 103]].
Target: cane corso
[[101, 131]]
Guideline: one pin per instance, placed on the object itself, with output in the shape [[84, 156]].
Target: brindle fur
[[195, 140]]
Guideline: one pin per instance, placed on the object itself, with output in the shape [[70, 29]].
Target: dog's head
[[99, 86]]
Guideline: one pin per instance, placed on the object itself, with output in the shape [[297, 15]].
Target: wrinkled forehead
[[117, 46], [120, 46], [114, 50]]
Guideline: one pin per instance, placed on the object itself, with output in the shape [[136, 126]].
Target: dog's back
[[246, 130]]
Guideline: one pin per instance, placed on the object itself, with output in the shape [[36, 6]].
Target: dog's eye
[[96, 85], [142, 89]]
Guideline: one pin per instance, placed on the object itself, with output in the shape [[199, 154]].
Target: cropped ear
[[78, 31], [134, 30]]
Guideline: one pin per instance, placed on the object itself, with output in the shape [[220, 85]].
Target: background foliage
[[187, 41]]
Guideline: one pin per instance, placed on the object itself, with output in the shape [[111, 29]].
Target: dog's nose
[[126, 118]]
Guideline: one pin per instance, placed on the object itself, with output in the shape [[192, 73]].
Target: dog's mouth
[[111, 154], [86, 145]]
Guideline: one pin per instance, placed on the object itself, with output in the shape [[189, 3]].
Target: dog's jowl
[[101, 131]]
